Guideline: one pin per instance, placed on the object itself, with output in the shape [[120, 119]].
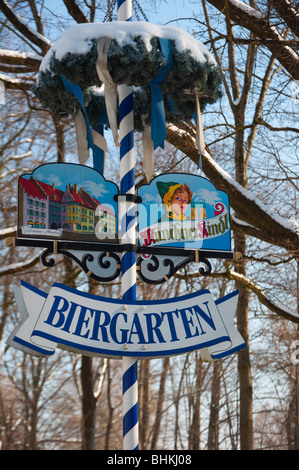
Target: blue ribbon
[[158, 124], [98, 153]]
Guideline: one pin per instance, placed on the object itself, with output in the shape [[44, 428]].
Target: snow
[[288, 224], [20, 55], [241, 222], [262, 295], [33, 31], [246, 8], [6, 78], [7, 231], [78, 39], [19, 266], [253, 12]]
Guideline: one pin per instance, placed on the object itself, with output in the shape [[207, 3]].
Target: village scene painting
[[67, 201]]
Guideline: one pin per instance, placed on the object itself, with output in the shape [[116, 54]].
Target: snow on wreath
[[128, 53]]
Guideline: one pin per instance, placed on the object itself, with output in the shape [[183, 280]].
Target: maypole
[[128, 236], [66, 89]]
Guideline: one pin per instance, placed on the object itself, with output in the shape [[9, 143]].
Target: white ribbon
[[200, 140], [83, 152], [82, 144], [110, 86]]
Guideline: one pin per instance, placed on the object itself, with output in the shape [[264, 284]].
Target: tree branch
[[30, 34], [16, 84], [31, 61], [254, 21], [288, 13], [266, 226], [75, 11], [16, 268], [280, 310]]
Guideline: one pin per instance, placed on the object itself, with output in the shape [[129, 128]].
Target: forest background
[[249, 400]]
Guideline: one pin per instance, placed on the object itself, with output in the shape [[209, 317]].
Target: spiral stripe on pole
[[128, 235], [124, 10]]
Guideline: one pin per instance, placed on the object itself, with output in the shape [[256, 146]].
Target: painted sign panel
[[182, 210], [66, 201], [93, 325]]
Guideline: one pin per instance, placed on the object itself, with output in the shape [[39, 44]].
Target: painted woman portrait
[[176, 198]]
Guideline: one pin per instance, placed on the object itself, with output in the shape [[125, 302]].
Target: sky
[[62, 175], [165, 11]]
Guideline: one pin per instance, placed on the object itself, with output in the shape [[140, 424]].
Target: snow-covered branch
[[258, 218], [288, 13], [256, 22], [34, 37], [20, 58], [16, 268], [17, 84], [273, 306], [8, 232]]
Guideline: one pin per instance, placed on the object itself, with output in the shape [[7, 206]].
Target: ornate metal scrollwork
[[102, 261], [45, 262], [208, 270], [101, 266], [157, 269]]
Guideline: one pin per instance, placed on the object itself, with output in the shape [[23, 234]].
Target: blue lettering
[[138, 330], [98, 325], [83, 321], [207, 318], [151, 329], [172, 329], [70, 317], [56, 308], [188, 321], [124, 333]]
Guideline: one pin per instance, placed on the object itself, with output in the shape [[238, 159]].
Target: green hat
[[166, 190]]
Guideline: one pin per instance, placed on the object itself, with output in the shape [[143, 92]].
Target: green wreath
[[130, 62]]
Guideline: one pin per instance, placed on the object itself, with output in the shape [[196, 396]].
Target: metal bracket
[[102, 260]]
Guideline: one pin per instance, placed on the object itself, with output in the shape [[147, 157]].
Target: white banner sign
[[91, 325]]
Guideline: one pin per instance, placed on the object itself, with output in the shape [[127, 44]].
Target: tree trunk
[[213, 436], [88, 397], [110, 408], [297, 376], [59, 129], [194, 431], [244, 367], [144, 376], [156, 427], [88, 404]]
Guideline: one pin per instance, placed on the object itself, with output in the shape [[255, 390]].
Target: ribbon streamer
[[158, 125], [81, 132], [154, 135], [109, 85], [200, 139], [85, 134]]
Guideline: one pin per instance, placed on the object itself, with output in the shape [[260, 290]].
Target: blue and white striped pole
[[128, 235]]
